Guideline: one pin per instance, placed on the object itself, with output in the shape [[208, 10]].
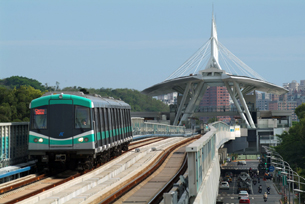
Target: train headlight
[[81, 139], [35, 140], [86, 139], [40, 140]]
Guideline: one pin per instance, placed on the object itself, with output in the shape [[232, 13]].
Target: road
[[231, 197]]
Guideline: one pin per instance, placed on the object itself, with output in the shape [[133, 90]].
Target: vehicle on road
[[244, 200], [242, 162], [224, 185], [268, 176], [227, 178], [244, 182], [243, 194], [229, 173], [260, 188]]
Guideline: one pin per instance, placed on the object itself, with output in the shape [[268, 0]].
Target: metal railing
[[221, 108], [146, 128]]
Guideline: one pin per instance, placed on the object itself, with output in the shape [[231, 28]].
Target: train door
[[94, 117], [98, 124], [113, 125], [107, 140], [120, 124], [110, 124], [129, 124], [103, 132], [124, 123]]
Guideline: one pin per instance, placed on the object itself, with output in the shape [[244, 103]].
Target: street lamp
[[298, 190], [292, 174]]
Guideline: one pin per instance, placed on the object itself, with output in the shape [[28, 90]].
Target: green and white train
[[77, 130]]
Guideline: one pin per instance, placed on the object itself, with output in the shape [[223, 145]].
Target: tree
[[84, 91], [300, 111], [57, 86], [17, 81], [292, 143], [14, 103]]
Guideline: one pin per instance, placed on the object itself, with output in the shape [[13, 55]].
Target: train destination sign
[[40, 111]]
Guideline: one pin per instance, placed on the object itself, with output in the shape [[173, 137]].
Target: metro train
[[77, 131]]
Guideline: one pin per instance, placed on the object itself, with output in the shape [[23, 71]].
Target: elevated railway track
[[31, 185]]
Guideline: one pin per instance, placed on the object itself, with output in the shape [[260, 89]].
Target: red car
[[244, 200]]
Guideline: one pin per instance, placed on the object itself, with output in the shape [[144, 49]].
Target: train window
[[39, 118], [82, 117], [106, 119], [102, 118], [98, 119]]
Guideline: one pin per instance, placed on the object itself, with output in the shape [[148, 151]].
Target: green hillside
[[17, 92]]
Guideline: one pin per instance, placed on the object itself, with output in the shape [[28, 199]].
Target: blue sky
[[136, 44]]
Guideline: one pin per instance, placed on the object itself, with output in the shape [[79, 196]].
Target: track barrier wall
[[203, 165]]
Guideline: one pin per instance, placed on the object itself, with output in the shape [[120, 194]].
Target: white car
[[224, 185], [243, 162], [243, 194]]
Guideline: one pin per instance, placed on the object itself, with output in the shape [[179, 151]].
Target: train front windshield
[[82, 117], [60, 120], [39, 118]]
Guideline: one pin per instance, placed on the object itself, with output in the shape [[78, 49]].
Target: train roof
[[79, 98]]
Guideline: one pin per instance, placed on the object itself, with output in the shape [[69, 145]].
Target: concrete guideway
[[101, 180], [146, 190]]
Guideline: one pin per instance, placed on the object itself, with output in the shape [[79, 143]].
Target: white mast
[[213, 61]]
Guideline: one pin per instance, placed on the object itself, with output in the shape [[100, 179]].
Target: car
[[243, 162], [244, 200], [243, 194], [229, 173], [224, 185], [227, 178]]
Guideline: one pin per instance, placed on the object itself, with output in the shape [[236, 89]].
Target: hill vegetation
[[292, 144], [17, 92], [138, 101], [14, 103], [17, 81]]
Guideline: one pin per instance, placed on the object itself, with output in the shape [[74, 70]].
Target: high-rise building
[[216, 96], [262, 104], [302, 85]]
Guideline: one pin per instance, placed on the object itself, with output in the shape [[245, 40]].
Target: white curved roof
[[179, 84]]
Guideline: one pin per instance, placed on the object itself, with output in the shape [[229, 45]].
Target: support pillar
[[190, 107], [199, 98], [236, 104], [243, 102], [182, 103]]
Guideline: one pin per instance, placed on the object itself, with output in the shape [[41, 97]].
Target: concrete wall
[[236, 145], [209, 189], [267, 123], [203, 163]]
